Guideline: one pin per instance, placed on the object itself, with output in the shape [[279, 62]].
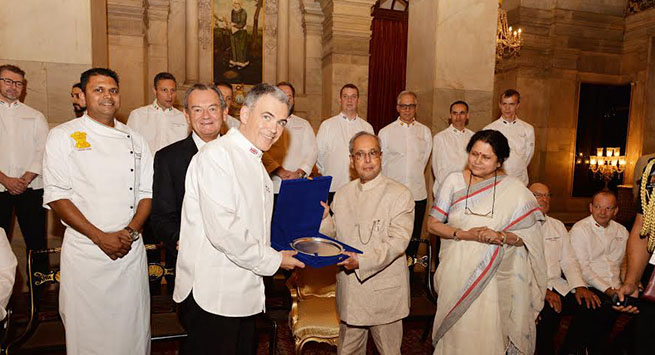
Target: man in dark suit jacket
[[205, 111]]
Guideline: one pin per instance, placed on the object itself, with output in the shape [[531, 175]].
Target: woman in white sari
[[491, 278]]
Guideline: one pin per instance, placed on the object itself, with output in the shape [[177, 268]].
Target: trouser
[[387, 338], [549, 322], [590, 328], [32, 221], [210, 333], [419, 213]]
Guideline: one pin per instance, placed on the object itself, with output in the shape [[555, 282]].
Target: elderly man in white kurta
[[406, 144], [7, 273], [160, 123], [333, 137], [449, 146], [375, 215], [599, 244], [225, 231], [293, 155], [519, 133], [98, 179]]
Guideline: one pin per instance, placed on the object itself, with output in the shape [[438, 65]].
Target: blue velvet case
[[298, 213]]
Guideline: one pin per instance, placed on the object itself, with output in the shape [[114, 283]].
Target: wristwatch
[[455, 238], [135, 235]]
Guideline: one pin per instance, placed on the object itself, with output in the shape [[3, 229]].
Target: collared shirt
[[232, 122], [449, 153], [405, 153], [520, 135], [197, 140], [7, 272], [159, 126], [560, 258], [296, 149], [23, 132], [332, 140], [225, 229], [600, 251]]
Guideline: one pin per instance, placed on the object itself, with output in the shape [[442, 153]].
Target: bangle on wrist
[[502, 234], [455, 238]]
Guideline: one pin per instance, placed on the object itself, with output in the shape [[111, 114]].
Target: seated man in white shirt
[[228, 94], [7, 273], [449, 146], [599, 244], [566, 288]]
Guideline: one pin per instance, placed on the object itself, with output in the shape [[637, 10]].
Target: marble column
[[346, 37], [313, 84], [191, 30], [177, 40], [126, 32], [451, 56], [282, 40], [157, 40]]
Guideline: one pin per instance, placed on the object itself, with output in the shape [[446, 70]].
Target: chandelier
[[508, 41], [609, 164]]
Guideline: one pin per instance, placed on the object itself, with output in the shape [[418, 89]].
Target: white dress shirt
[[560, 258], [332, 141], [23, 131], [232, 122], [405, 153], [197, 140], [159, 126], [600, 251], [105, 172], [520, 135], [296, 148], [7, 272], [449, 153], [225, 231]]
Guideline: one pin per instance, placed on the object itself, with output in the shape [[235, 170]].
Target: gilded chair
[[4, 331], [313, 315]]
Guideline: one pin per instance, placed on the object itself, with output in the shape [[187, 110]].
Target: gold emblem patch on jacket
[[80, 140]]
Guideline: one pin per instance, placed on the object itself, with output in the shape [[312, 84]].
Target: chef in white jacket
[[98, 179]]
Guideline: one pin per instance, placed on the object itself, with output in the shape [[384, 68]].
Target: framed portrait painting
[[238, 30]]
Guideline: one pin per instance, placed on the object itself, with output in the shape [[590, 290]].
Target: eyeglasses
[[16, 83], [407, 107], [373, 154], [539, 195], [468, 211]]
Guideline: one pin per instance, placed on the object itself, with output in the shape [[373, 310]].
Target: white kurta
[[520, 135], [332, 140], [448, 153], [104, 172], [560, 258], [23, 131], [405, 153], [296, 148], [600, 252], [7, 272], [225, 232], [159, 126]]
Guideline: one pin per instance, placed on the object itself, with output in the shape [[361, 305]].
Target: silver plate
[[317, 246]]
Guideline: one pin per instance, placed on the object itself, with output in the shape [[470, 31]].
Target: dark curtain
[[387, 65]]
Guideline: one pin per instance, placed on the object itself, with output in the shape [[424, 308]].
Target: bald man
[[566, 287], [599, 244]]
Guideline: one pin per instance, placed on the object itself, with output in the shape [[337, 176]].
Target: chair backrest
[[321, 282]]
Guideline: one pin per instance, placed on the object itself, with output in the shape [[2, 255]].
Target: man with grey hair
[[374, 214], [204, 111], [406, 144], [225, 231]]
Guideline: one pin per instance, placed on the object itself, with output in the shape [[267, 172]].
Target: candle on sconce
[[599, 152]]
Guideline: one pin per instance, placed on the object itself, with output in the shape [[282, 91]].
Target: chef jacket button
[[128, 136], [131, 152], [130, 189], [131, 207], [131, 169]]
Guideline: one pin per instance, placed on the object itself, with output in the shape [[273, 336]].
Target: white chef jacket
[[405, 153], [332, 141], [104, 172], [225, 231], [7, 273], [560, 258], [232, 122], [296, 148], [600, 251], [520, 135], [23, 131], [449, 153], [159, 126]]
